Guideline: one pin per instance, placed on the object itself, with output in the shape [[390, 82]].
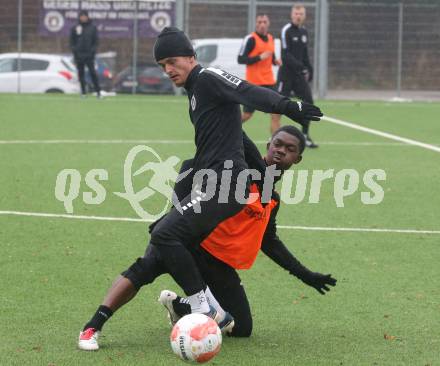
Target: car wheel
[[58, 91]]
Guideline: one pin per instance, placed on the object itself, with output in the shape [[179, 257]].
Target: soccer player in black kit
[[296, 71], [214, 107]]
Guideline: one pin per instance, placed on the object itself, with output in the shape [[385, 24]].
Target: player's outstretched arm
[[225, 87], [269, 101], [243, 57], [278, 252], [274, 248]]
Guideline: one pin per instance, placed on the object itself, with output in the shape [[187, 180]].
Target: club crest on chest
[[193, 103]]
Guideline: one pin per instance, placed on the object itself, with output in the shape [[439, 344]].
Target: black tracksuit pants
[[90, 63], [177, 231], [164, 253], [222, 279]]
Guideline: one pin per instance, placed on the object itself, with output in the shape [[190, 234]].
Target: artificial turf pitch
[[385, 309]]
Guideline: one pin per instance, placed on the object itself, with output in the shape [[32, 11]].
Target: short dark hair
[[261, 15], [292, 130]]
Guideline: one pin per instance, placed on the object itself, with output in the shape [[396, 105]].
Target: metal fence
[[354, 45]]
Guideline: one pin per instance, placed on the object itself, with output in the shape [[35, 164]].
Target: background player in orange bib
[[258, 54]]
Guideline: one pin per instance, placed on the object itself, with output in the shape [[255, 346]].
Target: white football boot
[[88, 340], [166, 298], [178, 307]]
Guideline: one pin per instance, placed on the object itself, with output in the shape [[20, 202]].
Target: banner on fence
[[114, 19]]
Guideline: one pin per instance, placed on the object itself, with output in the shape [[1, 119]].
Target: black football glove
[[302, 112], [320, 282]]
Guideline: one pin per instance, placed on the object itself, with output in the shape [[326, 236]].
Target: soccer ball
[[196, 338]]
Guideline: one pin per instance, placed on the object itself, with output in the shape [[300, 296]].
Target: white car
[[40, 73], [222, 53]]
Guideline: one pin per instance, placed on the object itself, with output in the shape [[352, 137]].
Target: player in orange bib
[[258, 54], [233, 244]]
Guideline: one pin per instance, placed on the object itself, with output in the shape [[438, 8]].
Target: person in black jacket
[[214, 98], [84, 43], [296, 71]]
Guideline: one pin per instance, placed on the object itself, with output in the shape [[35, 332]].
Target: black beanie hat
[[83, 12], [172, 42]]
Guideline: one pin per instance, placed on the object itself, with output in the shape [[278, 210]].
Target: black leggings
[[90, 63], [223, 280], [226, 286], [177, 231]]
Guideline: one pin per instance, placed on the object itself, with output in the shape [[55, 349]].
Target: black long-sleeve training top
[[214, 108], [294, 53]]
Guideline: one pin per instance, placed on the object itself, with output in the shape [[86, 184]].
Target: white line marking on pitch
[[359, 229], [382, 134], [79, 217], [336, 143], [106, 99], [287, 227], [96, 141]]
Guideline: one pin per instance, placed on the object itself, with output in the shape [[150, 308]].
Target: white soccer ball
[[196, 338]]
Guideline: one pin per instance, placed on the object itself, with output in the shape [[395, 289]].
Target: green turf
[[384, 310]]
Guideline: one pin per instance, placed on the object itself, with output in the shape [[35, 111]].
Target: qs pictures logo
[[158, 177]]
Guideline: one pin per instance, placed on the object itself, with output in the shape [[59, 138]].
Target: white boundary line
[[401, 141], [358, 229], [382, 134], [106, 99], [287, 227], [78, 217], [12, 142], [54, 142]]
